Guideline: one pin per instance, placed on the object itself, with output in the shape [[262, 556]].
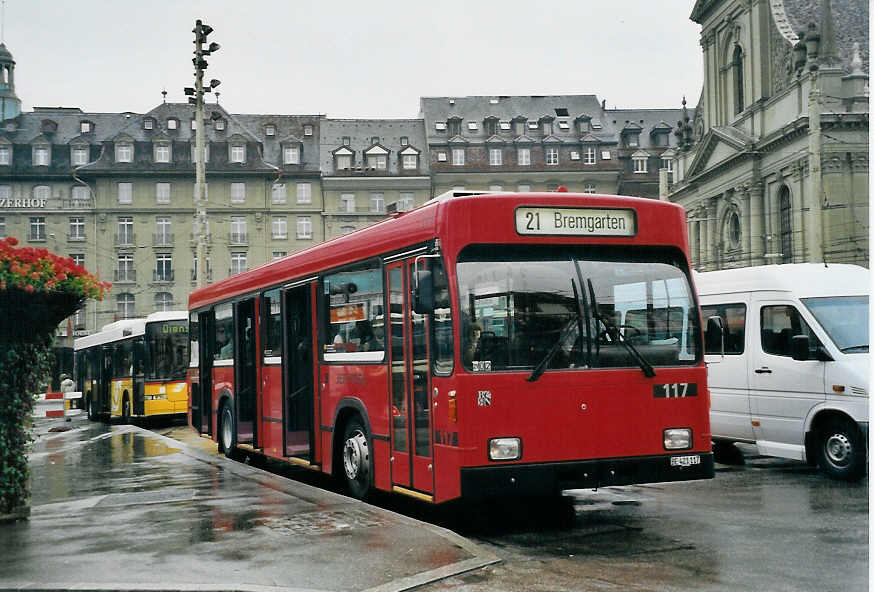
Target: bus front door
[[299, 384], [245, 372], [201, 397], [412, 439]]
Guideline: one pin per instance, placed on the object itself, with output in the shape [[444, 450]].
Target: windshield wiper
[[616, 335], [540, 368], [854, 348]]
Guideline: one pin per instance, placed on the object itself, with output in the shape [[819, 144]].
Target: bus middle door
[[412, 435]]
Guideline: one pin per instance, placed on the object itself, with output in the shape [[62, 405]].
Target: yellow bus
[[135, 368]]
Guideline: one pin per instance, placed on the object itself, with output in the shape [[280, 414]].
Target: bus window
[[272, 338], [441, 321], [355, 323], [193, 336], [122, 359], [167, 349], [224, 332]]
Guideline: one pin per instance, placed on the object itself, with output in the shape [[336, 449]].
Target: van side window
[[734, 318], [779, 324]]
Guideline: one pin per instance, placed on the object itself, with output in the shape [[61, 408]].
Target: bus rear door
[[245, 372], [299, 385], [412, 436]]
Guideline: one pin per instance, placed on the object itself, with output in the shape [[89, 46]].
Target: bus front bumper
[[549, 478]]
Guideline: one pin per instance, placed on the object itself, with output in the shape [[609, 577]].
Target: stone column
[[756, 225]]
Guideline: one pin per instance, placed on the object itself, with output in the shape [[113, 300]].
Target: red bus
[[480, 345]]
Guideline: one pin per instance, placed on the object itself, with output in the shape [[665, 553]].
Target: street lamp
[[195, 97]]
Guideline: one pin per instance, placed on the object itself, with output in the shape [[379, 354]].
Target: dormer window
[[220, 125], [86, 127], [490, 125], [409, 159], [347, 140], [533, 125], [162, 152], [640, 159], [377, 157], [78, 155], [5, 155], [194, 152], [148, 123], [547, 125], [472, 126], [193, 124], [343, 158], [270, 130], [291, 155], [405, 141], [124, 152], [633, 140], [307, 130], [505, 126], [440, 126], [172, 123], [238, 153], [519, 125], [564, 125], [41, 155], [454, 126]]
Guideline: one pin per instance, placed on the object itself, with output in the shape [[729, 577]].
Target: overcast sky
[[352, 58]]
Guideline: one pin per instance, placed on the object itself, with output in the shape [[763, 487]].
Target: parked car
[[791, 373]]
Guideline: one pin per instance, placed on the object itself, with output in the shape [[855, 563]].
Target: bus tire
[[125, 409], [841, 451], [357, 460], [227, 440]]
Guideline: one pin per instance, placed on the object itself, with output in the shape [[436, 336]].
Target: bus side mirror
[[714, 338], [423, 292], [800, 347]]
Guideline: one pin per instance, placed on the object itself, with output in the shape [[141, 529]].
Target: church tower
[[10, 104]]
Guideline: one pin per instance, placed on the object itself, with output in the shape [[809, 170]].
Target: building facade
[[772, 167]]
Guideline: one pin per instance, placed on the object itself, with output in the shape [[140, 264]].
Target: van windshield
[[534, 309], [844, 318]]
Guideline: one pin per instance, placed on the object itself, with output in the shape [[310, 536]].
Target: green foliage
[[22, 367]]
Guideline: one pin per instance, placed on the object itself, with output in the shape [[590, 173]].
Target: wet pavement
[[123, 508]]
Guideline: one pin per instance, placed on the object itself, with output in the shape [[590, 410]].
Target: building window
[[458, 156], [42, 192], [238, 193], [193, 124], [163, 267], [564, 125], [125, 270], [194, 157], [410, 162], [125, 234], [278, 255], [737, 63], [78, 259], [405, 141], [552, 156], [441, 157], [304, 193], [523, 156], [304, 227], [280, 227], [162, 153], [162, 193], [37, 231], [270, 130], [79, 193], [79, 156], [347, 229], [238, 153], [786, 225], [238, 230], [377, 161], [440, 126], [496, 156], [41, 156], [346, 140], [279, 194], [2, 227], [605, 155], [172, 124], [125, 305], [405, 202], [347, 202], [125, 193], [589, 155], [495, 188], [668, 164], [307, 130], [124, 153], [85, 127], [220, 125], [639, 164], [377, 202], [148, 123], [163, 301], [523, 188], [454, 127], [291, 155], [633, 140], [77, 228], [344, 161], [472, 126], [164, 234], [5, 155], [589, 188]]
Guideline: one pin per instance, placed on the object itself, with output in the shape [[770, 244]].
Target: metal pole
[[200, 162]]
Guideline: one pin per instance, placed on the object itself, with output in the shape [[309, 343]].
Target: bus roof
[[125, 328], [804, 280], [458, 218]]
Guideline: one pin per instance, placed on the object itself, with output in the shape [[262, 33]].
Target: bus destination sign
[[575, 221]]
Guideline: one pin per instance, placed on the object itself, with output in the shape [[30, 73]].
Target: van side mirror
[[800, 347], [714, 338], [423, 292]]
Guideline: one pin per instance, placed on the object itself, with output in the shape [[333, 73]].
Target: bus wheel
[[357, 463], [227, 431], [125, 410], [841, 454]]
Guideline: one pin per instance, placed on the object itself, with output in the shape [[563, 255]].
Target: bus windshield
[[167, 343], [575, 307]]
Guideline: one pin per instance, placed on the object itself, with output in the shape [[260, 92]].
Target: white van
[[791, 374]]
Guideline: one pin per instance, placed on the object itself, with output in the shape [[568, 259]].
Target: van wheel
[[357, 460], [227, 430], [841, 453]]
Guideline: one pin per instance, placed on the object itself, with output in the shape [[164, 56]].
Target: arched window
[[737, 66], [732, 230], [786, 225]]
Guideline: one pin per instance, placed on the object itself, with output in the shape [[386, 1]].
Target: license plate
[[685, 461]]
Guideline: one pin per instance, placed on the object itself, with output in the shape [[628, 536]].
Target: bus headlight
[[505, 448], [678, 438]]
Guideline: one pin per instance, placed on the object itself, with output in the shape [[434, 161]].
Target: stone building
[[772, 167]]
